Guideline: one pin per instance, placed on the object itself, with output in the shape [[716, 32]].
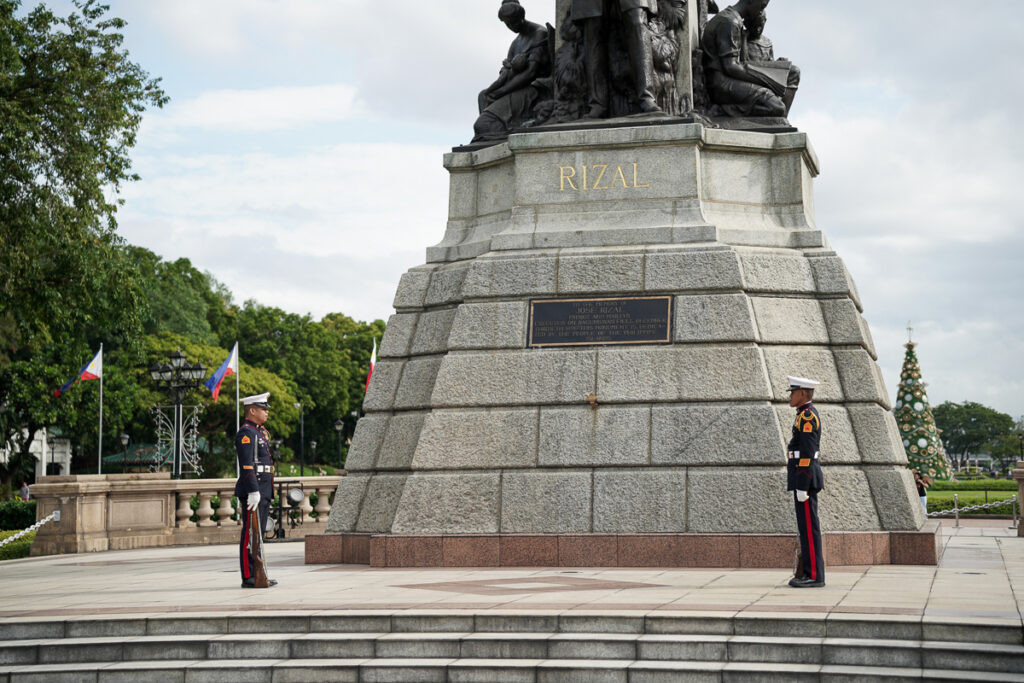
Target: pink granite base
[[859, 548]]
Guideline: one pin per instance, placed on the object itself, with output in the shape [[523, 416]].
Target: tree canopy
[[969, 429]]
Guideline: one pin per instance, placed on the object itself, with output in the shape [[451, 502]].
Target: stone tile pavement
[[980, 579]]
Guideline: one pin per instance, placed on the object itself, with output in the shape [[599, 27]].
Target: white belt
[[795, 455], [261, 469]]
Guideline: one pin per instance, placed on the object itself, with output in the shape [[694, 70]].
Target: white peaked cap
[[256, 400], [802, 383]]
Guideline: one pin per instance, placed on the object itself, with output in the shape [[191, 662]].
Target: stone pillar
[[224, 510], [185, 510], [323, 505], [1018, 474]]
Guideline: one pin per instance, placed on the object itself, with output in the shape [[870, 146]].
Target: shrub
[[17, 514], [16, 549], [975, 485]]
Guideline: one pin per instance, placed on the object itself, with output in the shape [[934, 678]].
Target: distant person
[[255, 485], [805, 479], [922, 482], [23, 493]]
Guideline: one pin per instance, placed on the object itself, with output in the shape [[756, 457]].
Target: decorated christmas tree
[[916, 423]]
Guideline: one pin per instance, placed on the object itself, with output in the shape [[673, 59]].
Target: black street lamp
[[124, 445], [177, 377], [1020, 438], [302, 440], [312, 457], [339, 427], [49, 444]]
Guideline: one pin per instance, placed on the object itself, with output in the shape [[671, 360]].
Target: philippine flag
[[227, 368], [373, 361], [91, 370]]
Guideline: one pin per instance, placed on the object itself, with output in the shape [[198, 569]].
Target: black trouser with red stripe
[[244, 551], [810, 536]]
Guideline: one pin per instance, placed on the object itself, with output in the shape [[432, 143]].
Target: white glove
[[801, 496], [254, 500]]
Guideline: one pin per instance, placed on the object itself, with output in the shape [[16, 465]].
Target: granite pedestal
[[474, 439]]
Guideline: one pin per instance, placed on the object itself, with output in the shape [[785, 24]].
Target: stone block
[[432, 332], [412, 288], [403, 433], [446, 285], [832, 277], [807, 361], [846, 503], [398, 335], [680, 373], [478, 439], [838, 444], [514, 275], [413, 551], [460, 503], [546, 502], [588, 550], [640, 500], [601, 273], [846, 325], [790, 321], [347, 500], [383, 384], [529, 551], [607, 436], [369, 435], [506, 378], [496, 187], [380, 502], [716, 434], [417, 383], [489, 326], [739, 499], [877, 435], [471, 551], [895, 497], [861, 377], [680, 270], [714, 318], [462, 187], [776, 272]]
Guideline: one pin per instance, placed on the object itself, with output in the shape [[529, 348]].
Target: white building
[[52, 456]]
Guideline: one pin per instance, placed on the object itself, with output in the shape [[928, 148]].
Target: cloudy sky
[[299, 160]]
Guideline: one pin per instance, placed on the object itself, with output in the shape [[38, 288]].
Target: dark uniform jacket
[[255, 463], [586, 9], [803, 467]]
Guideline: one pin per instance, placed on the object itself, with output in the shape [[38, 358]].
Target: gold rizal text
[[600, 177]]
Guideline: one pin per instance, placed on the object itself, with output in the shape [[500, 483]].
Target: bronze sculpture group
[[624, 58]]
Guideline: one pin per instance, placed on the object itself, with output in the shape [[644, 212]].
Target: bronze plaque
[[584, 322]]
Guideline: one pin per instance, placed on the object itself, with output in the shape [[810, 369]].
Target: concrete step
[[445, 670], [807, 626], [505, 646]]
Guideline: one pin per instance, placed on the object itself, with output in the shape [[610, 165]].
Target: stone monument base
[[748, 551]]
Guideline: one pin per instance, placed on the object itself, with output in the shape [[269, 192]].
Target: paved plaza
[[980, 579]]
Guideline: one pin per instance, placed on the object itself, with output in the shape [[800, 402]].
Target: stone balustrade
[[1018, 474], [123, 511]]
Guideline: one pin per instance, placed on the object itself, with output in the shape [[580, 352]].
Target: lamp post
[[312, 458], [124, 445], [339, 427], [49, 444], [177, 377], [302, 440], [1020, 439]]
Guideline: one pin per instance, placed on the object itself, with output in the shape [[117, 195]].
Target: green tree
[[969, 428], [1008, 448], [178, 296], [71, 102]]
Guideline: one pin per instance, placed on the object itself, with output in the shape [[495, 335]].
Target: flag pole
[[238, 364], [99, 441]]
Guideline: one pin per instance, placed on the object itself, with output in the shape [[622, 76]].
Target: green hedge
[[16, 549], [16, 515], [975, 485]]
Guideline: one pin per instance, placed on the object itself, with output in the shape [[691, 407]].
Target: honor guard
[[805, 479], [255, 485]]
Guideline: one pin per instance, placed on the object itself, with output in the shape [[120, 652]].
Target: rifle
[[259, 574]]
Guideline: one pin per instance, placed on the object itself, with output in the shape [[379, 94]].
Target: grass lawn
[[970, 497]]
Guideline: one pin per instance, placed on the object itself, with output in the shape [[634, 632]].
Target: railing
[[121, 511], [956, 509], [52, 517]]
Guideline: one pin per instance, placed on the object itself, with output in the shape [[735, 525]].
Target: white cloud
[[275, 108]]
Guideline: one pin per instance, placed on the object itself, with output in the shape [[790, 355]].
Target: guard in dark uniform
[[255, 485], [805, 479]]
